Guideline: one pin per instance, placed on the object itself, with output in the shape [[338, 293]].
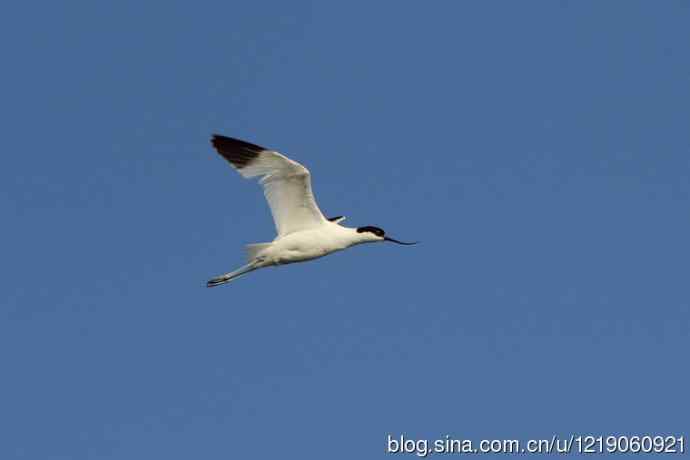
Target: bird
[[303, 232]]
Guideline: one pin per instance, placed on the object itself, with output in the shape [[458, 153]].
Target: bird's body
[[309, 244], [304, 233]]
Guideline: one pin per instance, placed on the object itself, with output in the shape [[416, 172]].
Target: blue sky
[[538, 149]]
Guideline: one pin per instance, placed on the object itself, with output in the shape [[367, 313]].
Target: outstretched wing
[[287, 184]]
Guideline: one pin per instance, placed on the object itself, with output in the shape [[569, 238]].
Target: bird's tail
[[222, 279]]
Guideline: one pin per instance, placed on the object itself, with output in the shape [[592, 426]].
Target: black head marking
[[375, 230], [333, 219]]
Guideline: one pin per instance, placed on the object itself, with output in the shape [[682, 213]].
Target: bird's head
[[371, 234]]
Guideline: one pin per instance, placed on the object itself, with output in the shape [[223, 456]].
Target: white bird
[[304, 233]]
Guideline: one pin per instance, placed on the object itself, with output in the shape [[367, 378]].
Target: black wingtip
[[238, 152], [224, 142]]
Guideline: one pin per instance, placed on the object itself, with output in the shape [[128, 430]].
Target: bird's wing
[[287, 184]]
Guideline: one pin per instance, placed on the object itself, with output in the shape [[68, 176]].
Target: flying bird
[[304, 233]]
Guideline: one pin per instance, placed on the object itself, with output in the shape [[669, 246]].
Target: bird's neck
[[351, 237]]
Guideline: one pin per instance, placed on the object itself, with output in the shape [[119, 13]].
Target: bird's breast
[[304, 246]]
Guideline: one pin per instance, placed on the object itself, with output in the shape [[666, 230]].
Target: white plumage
[[304, 233]]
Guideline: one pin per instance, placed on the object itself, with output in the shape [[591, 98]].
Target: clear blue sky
[[540, 151]]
